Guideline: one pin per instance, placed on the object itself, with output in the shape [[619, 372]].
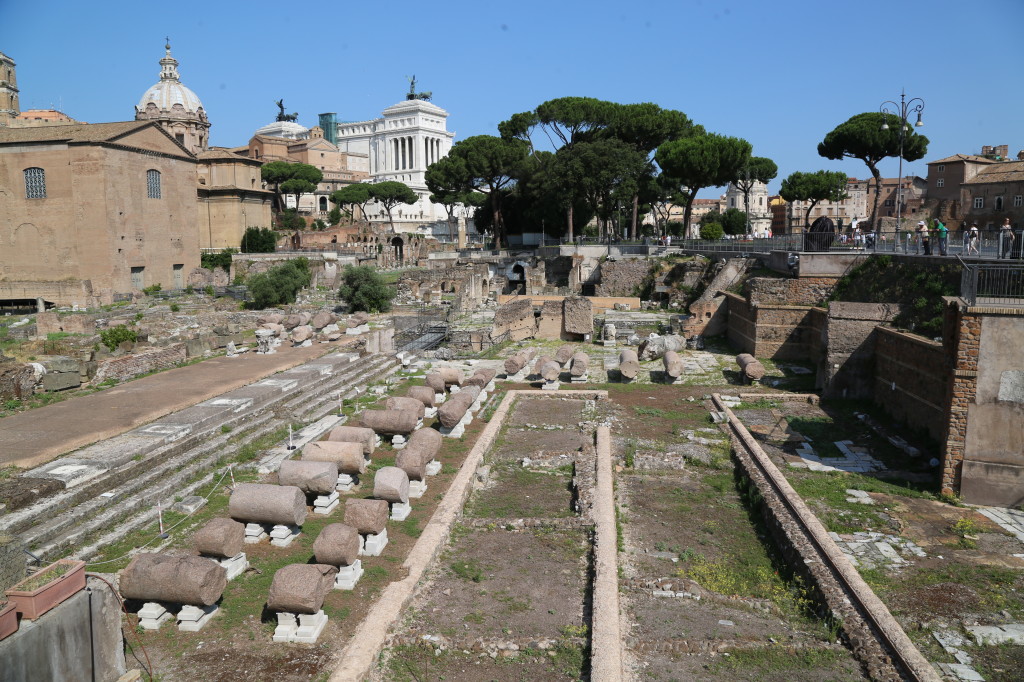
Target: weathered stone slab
[[177, 579], [337, 545], [367, 516], [262, 503], [316, 478], [301, 588], [221, 537], [578, 315]]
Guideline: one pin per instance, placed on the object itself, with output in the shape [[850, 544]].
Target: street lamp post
[[902, 111]]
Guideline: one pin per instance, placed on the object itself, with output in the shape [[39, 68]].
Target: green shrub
[[363, 288], [150, 290], [259, 240], [175, 307], [279, 285], [711, 231], [220, 260], [114, 336], [209, 290]]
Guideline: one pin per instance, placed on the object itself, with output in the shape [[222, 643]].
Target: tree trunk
[[688, 213], [807, 216], [878, 193], [496, 219], [636, 208]]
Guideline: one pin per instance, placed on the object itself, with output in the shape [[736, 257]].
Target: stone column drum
[[220, 537], [189, 580], [422, 393], [367, 516], [563, 354], [406, 403], [355, 434], [435, 381], [453, 410], [315, 478], [751, 368], [262, 503], [629, 365], [337, 545], [673, 364], [425, 443], [392, 485], [389, 422], [301, 588], [580, 361], [451, 376], [550, 370], [348, 457]]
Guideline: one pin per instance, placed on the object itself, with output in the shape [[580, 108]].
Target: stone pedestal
[[372, 544], [439, 398], [348, 576], [193, 618], [550, 386], [453, 389], [304, 627], [416, 489], [235, 566], [400, 510], [580, 380], [282, 536], [254, 532], [454, 432], [430, 413], [433, 468], [398, 442], [346, 483], [376, 441], [152, 615], [325, 504], [608, 344]]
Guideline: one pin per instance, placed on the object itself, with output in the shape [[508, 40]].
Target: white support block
[[398, 442], [235, 566], [455, 432], [400, 511], [416, 489], [282, 536], [580, 380], [550, 386], [430, 413], [345, 483], [433, 468], [325, 504], [254, 533], [194, 618], [152, 615], [373, 544], [453, 389], [348, 576], [376, 440], [439, 398]]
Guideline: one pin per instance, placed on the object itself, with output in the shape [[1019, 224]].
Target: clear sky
[[780, 74]]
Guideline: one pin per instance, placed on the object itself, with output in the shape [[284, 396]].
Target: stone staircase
[[112, 487]]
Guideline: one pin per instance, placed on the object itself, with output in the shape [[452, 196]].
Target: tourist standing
[[1005, 239], [943, 235], [924, 239]]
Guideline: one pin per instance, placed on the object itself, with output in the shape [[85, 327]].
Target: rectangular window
[[153, 184], [941, 168], [940, 182], [979, 202], [1018, 200], [35, 183]]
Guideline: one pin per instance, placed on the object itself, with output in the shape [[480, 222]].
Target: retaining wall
[[911, 380], [134, 364]]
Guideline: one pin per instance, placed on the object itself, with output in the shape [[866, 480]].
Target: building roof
[[289, 130], [215, 153], [1005, 171], [46, 115], [78, 132], [970, 158]]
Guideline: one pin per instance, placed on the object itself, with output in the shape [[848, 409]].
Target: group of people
[[971, 237]]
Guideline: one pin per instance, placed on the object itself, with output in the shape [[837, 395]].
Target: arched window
[[35, 183], [999, 203], [323, 203], [153, 184]]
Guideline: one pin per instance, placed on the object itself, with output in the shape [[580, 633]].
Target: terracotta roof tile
[[1007, 171], [81, 132]]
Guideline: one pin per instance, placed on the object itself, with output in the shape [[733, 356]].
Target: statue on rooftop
[[412, 94], [281, 116]]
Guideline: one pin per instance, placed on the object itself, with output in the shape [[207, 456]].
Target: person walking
[[972, 239], [1005, 239], [943, 234]]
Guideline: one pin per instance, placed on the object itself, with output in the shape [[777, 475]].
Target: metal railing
[[992, 284], [421, 328]]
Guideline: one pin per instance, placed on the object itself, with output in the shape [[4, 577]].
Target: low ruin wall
[[776, 332], [134, 364], [911, 380], [766, 291], [600, 303]]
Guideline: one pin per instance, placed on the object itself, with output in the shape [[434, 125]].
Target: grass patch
[[520, 492], [778, 659], [468, 570]]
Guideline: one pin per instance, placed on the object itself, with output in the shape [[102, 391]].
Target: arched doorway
[[399, 245]]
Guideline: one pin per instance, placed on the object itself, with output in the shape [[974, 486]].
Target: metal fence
[[992, 284], [420, 327]]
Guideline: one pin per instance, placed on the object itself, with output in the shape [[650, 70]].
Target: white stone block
[[345, 483], [254, 533], [416, 489], [348, 576], [398, 442], [454, 432], [400, 511], [235, 566], [551, 386], [430, 413], [152, 615], [194, 618], [282, 536], [373, 544], [433, 468], [325, 504]]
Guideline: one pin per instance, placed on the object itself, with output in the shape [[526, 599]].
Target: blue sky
[[780, 74]]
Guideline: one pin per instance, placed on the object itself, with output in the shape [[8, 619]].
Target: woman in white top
[[972, 237]]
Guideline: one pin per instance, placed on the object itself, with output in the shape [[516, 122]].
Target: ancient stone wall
[[75, 323], [911, 379], [777, 332], [849, 362], [134, 364], [621, 277], [790, 290], [12, 561]]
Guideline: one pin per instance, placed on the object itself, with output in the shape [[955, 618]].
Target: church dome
[[169, 94]]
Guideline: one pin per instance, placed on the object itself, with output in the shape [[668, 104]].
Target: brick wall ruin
[[809, 291], [134, 364], [621, 277], [911, 379]]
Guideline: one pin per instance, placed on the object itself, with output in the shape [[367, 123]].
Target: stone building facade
[[91, 211], [994, 193]]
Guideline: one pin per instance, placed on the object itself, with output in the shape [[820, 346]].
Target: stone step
[[363, 372]]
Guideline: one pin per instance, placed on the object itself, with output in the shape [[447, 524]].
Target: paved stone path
[[37, 436]]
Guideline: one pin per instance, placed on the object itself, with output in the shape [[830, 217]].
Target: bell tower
[[9, 107]]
